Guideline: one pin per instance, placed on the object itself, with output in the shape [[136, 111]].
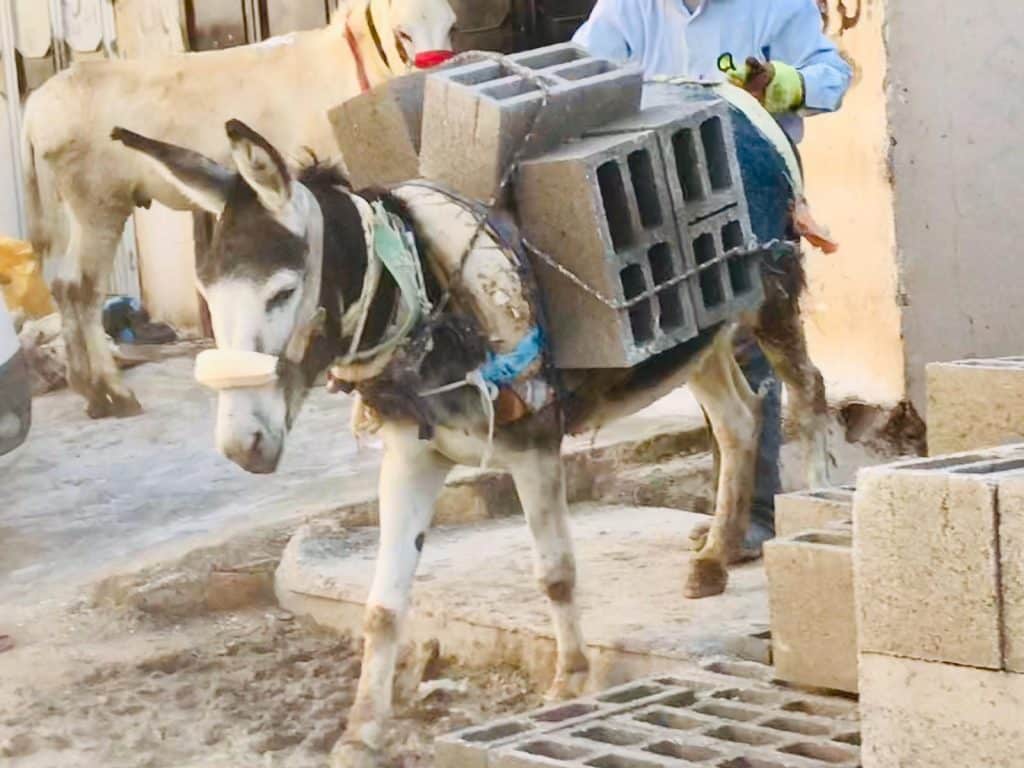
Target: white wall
[[956, 113], [9, 225]]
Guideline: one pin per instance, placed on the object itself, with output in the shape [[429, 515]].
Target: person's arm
[[612, 30], [800, 42]]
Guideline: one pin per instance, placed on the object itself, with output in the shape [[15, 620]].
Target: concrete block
[[602, 209], [1011, 553], [477, 116], [926, 558], [696, 139], [695, 718], [379, 131], [918, 713], [814, 623], [974, 404], [469, 747], [727, 284], [811, 510]]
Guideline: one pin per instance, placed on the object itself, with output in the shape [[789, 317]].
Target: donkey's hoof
[[707, 578], [106, 405], [567, 686], [349, 755]]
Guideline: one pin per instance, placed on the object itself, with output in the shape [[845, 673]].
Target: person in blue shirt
[[778, 51]]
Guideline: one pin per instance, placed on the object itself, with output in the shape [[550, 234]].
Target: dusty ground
[[82, 497], [101, 688]]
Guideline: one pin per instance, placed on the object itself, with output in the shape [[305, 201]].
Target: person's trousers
[[759, 374]]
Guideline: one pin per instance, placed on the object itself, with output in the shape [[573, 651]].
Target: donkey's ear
[[204, 182], [261, 166]]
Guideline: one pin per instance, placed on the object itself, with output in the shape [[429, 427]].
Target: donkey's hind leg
[[780, 333], [411, 477], [734, 412], [79, 292], [540, 481]]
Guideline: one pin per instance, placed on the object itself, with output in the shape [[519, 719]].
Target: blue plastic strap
[[504, 369]]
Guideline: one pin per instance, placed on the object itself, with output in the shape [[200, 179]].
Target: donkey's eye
[[280, 298]]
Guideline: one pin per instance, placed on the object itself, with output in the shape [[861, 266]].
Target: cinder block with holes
[[470, 747], [814, 623], [927, 557], [727, 283], [695, 137], [696, 718], [919, 713], [602, 209], [477, 116], [378, 132], [974, 404], [812, 510]]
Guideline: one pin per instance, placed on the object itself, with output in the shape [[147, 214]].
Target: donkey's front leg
[[540, 481], [411, 478]]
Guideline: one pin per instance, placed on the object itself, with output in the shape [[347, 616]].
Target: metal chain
[[776, 245]]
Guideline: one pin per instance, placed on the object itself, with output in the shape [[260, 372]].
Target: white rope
[[488, 394]]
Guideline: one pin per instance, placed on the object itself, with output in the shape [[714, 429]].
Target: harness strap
[[364, 80]]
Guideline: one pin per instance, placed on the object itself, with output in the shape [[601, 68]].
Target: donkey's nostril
[[257, 441]]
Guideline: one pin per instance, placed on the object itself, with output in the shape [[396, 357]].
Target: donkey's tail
[[42, 204]]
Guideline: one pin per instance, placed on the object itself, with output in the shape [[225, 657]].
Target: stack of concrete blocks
[[649, 211], [975, 404], [810, 584], [939, 572], [696, 718]]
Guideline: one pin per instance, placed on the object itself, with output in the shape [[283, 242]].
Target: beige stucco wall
[[956, 112], [852, 317]]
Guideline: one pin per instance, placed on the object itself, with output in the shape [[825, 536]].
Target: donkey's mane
[[318, 175]]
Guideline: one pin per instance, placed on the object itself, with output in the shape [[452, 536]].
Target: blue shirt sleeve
[[800, 42], [610, 32]]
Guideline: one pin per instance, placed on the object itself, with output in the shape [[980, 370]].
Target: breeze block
[[936, 557], [814, 622], [601, 208], [477, 116], [697, 717], [378, 131], [974, 404], [812, 510], [698, 153], [650, 212]]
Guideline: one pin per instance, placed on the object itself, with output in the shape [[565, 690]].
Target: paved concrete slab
[[476, 594]]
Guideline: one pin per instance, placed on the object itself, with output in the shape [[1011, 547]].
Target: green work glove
[[778, 86]]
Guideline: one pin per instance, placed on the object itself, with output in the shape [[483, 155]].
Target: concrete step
[[475, 593], [672, 430]]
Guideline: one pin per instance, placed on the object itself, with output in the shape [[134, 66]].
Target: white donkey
[[287, 266], [81, 187]]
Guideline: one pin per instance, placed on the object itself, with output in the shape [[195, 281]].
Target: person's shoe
[[753, 543]]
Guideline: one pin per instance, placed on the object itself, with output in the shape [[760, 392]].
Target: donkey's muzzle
[[222, 369]]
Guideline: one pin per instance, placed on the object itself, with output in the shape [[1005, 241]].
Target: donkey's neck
[[374, 39], [345, 261]]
